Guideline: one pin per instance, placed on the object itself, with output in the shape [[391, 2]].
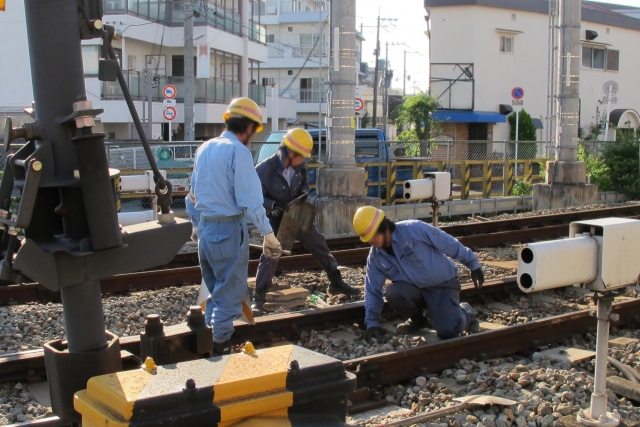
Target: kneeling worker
[[413, 255], [284, 179]]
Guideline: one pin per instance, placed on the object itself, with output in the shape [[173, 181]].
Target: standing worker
[[225, 188], [413, 255], [284, 179]]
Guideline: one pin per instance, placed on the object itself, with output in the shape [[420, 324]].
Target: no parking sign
[[170, 113]]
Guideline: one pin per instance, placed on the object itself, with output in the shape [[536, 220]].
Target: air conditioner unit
[[131, 62]]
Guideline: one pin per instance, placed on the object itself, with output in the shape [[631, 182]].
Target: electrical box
[[442, 184], [618, 250]]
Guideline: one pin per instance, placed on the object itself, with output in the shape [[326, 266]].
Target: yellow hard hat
[[299, 141], [366, 222], [244, 107]]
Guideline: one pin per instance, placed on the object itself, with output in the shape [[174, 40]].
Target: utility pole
[[375, 78], [189, 127], [404, 75], [385, 106]]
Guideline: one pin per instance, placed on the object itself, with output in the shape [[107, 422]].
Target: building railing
[[273, 7], [172, 14], [306, 95], [205, 90], [281, 50]]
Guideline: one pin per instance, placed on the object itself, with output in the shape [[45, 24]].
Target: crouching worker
[[413, 256], [284, 179]]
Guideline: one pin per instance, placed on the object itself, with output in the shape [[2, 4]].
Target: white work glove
[[271, 247], [194, 234]]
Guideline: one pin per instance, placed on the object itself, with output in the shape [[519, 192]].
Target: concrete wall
[[471, 34]]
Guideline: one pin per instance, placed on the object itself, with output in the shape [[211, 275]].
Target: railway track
[[385, 368], [183, 270]]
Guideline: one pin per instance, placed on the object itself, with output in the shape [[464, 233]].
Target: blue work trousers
[[223, 248], [442, 302]]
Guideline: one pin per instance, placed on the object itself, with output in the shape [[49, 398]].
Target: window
[[268, 81], [600, 58], [289, 72], [307, 42], [90, 58], [506, 44], [271, 38], [290, 29]]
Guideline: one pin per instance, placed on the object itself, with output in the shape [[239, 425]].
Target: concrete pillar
[[566, 183], [341, 186], [244, 60]]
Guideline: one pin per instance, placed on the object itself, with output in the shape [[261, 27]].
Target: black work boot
[[415, 323], [474, 325], [337, 286], [222, 348], [257, 303]]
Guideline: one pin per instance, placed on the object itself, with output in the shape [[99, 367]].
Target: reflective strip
[[304, 150], [252, 111], [373, 223]]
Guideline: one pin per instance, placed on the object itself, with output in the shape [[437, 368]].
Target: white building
[[482, 49], [153, 38], [298, 51]]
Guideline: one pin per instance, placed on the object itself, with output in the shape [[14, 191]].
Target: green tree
[[526, 132], [416, 113], [595, 129], [622, 160]]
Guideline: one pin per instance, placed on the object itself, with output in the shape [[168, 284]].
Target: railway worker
[[284, 179], [226, 189], [413, 256]]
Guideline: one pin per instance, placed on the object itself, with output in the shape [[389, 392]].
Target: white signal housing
[[434, 187], [601, 254]]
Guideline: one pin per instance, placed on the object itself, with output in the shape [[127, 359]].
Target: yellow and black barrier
[[280, 386]]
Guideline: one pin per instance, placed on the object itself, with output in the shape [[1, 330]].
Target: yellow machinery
[[280, 386]]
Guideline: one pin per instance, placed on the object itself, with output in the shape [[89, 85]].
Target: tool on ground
[[298, 218], [466, 402]]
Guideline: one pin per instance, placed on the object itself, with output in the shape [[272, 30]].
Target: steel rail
[[473, 235], [403, 365]]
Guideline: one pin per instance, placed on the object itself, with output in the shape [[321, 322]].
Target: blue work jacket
[[274, 186], [421, 252], [225, 183]]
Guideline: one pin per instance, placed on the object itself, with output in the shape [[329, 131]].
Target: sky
[[405, 33]]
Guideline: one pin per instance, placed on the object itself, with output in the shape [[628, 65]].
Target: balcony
[[273, 7], [216, 91], [279, 50], [306, 96], [172, 14]]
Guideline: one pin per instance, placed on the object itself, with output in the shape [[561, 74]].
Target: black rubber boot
[[337, 286], [222, 348], [257, 303], [415, 323], [474, 325]]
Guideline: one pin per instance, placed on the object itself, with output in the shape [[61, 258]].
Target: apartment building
[[482, 49], [153, 42], [297, 35]]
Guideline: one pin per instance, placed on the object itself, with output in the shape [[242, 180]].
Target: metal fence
[[479, 169]]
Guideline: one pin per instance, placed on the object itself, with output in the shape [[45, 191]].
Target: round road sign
[[170, 113], [517, 93], [359, 104], [169, 91]]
